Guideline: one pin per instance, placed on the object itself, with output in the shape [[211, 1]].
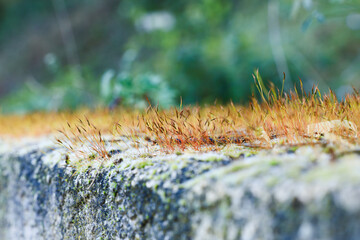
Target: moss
[[143, 164], [248, 154], [214, 159], [293, 149], [329, 149], [232, 151], [182, 202], [113, 185], [235, 151], [174, 167], [127, 165], [163, 176], [274, 162], [145, 155], [206, 167], [347, 170], [239, 167], [250, 173]]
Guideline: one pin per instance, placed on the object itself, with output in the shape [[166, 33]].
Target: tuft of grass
[[274, 118], [84, 140], [278, 118]]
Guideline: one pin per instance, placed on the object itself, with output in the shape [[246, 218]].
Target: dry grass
[[83, 139], [277, 118]]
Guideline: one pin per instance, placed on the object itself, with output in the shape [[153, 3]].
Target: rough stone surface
[[237, 193]]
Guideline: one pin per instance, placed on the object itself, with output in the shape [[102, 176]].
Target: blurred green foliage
[[65, 92], [203, 50], [132, 89]]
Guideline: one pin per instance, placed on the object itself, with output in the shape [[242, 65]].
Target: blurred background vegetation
[[62, 54]]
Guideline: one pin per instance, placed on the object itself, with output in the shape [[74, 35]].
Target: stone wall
[[237, 193]]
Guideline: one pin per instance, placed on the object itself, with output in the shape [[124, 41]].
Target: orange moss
[[278, 118]]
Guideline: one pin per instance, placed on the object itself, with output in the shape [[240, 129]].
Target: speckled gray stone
[[232, 194]]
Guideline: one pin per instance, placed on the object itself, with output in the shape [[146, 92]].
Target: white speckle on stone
[[284, 191], [348, 198], [249, 231], [306, 231]]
